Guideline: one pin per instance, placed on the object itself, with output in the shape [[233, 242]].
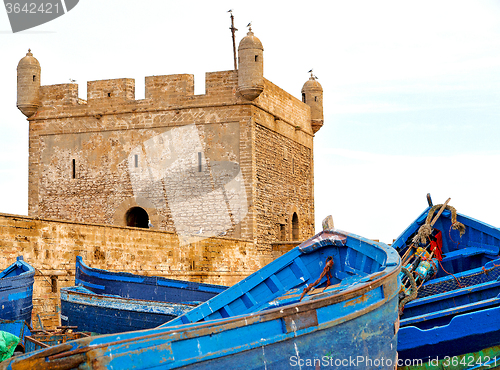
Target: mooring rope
[[426, 229]]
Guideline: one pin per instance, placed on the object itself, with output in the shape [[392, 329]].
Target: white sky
[[411, 90]]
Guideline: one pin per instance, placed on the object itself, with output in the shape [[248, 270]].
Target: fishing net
[[8, 343], [454, 283]]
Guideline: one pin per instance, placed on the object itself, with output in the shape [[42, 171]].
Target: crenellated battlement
[[171, 87], [120, 90], [56, 95], [173, 93], [161, 92]]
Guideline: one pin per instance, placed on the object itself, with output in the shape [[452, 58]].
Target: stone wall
[[208, 163], [284, 187], [51, 246]]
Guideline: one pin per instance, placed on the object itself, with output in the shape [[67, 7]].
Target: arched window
[[137, 217], [295, 226]]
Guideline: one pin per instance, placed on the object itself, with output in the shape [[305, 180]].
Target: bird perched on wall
[[150, 225], [72, 81]]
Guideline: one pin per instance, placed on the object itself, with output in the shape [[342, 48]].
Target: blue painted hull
[[151, 288], [16, 291], [457, 312], [349, 324], [105, 314]]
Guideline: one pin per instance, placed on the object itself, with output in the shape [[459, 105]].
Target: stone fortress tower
[[236, 161]]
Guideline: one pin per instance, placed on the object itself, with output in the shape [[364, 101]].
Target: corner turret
[[28, 84], [251, 66], [312, 95]]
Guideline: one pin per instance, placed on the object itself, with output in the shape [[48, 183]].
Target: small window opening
[[315, 98], [53, 281], [282, 232], [136, 160], [74, 168], [256, 58], [109, 95], [295, 226], [303, 97], [199, 162], [34, 76]]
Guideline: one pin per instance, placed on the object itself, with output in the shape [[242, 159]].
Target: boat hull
[[365, 342], [471, 332], [104, 314], [16, 291], [152, 288]]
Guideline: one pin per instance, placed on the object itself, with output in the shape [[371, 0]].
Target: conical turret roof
[[250, 41]]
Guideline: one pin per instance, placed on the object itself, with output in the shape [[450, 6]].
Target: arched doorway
[[295, 226], [137, 217]]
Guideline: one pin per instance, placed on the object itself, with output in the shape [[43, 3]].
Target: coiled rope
[[426, 229]]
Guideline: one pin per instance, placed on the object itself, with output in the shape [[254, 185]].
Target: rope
[[426, 229], [485, 271], [449, 234], [449, 273], [413, 290], [44, 276]]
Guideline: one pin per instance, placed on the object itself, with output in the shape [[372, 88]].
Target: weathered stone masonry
[[51, 246], [236, 161]]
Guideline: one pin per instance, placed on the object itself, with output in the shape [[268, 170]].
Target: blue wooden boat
[[105, 313], [262, 322], [456, 309], [16, 291], [46, 338], [152, 288], [107, 302]]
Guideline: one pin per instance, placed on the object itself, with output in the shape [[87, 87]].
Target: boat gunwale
[[420, 220], [259, 317], [95, 272], [391, 260], [68, 290], [28, 271]]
